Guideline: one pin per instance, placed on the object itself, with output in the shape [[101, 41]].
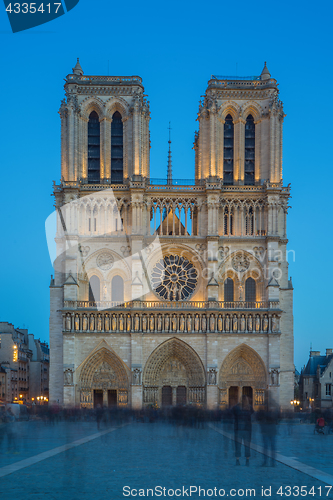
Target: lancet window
[[94, 142], [117, 289], [229, 290], [117, 150], [94, 289], [228, 152], [250, 290], [249, 150]]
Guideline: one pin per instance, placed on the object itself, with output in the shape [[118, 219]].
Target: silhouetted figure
[[243, 428], [268, 421], [99, 415]]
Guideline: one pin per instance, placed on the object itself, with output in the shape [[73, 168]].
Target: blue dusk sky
[[175, 47]]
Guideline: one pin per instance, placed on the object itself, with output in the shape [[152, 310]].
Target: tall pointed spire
[[169, 173]]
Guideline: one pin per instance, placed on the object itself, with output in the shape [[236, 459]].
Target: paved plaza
[[72, 460]]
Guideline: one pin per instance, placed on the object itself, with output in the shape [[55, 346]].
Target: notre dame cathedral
[[171, 292]]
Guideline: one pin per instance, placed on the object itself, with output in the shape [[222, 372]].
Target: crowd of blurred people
[[236, 423]]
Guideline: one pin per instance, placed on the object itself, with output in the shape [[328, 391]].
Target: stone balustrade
[[159, 305]]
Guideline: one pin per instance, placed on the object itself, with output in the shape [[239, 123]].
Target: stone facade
[[168, 293], [24, 363]]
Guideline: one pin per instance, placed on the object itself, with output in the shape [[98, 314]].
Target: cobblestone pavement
[[143, 456]]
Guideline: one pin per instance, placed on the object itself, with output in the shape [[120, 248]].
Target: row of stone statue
[[171, 323]]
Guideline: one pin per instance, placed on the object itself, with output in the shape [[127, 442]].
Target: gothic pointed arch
[[103, 369], [174, 349], [243, 367], [92, 104], [229, 107]]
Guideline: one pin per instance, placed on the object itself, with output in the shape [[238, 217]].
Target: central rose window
[[174, 278]]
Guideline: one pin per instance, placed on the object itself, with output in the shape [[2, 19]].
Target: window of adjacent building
[[228, 290], [117, 289], [117, 150], [94, 142], [228, 151], [94, 289], [328, 389], [250, 290], [249, 150]]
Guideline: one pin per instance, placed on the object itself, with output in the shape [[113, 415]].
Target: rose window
[[174, 278]]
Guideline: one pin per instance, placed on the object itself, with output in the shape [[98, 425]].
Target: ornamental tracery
[[174, 278]]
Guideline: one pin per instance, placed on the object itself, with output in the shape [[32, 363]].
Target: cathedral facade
[[171, 292]]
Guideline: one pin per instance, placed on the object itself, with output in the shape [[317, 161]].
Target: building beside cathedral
[[171, 292]]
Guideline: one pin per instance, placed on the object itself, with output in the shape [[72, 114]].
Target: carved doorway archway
[[103, 380], [243, 372], [174, 364]]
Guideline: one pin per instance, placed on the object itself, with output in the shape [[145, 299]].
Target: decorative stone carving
[[220, 323], [257, 323], [136, 323], [211, 376], [91, 323], [68, 322], [84, 323], [223, 397], [68, 377], [242, 323], [189, 323], [203, 323], [212, 323], [128, 323], [274, 374], [159, 323], [99, 323], [274, 323], [84, 250], [105, 261], [223, 252], [121, 323], [125, 251], [104, 377], [107, 323], [265, 323], [240, 262], [174, 323], [167, 323], [136, 376], [181, 323], [227, 323], [250, 323], [196, 323], [77, 322], [235, 323], [144, 323], [114, 323], [151, 323]]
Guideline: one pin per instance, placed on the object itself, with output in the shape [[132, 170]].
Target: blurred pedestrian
[[242, 413]]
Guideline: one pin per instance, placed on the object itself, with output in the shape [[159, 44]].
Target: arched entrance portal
[[173, 375], [242, 372], [103, 380]]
